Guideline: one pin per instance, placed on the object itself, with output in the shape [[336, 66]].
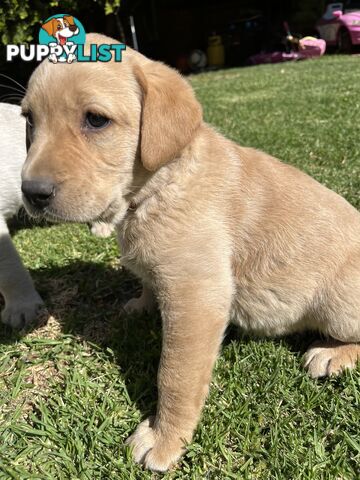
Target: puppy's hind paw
[[330, 358]]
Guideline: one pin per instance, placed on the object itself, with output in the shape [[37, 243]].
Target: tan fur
[[166, 99], [217, 231]]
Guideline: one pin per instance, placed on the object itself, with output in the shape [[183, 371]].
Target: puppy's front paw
[[152, 450], [22, 311], [331, 358]]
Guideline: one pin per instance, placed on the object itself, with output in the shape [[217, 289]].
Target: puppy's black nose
[[38, 193]]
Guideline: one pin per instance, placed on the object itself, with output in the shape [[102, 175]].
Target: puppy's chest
[[137, 250]]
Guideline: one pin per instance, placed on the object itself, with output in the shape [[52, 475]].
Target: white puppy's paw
[[102, 229], [153, 451], [22, 311], [330, 358]]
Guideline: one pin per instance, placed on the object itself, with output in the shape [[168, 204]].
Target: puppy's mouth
[[51, 214], [62, 40], [46, 213]]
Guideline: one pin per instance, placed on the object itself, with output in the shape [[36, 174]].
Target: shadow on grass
[[297, 342], [87, 299]]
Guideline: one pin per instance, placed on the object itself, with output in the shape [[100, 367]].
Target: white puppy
[[22, 301]]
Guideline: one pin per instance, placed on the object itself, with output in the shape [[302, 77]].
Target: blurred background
[[191, 35]]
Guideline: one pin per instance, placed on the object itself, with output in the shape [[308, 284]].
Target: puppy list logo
[[62, 39]]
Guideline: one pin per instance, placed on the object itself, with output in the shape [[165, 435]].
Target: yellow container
[[215, 51]]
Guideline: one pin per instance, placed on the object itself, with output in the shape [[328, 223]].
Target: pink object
[[310, 47], [273, 57], [338, 27], [337, 13]]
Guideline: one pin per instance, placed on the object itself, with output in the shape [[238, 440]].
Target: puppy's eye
[[29, 129], [93, 120]]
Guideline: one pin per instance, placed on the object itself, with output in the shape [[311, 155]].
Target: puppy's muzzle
[[38, 193], [73, 28]]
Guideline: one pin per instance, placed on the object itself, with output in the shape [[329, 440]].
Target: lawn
[[73, 390]]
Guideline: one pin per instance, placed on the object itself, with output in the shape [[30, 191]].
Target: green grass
[[72, 391]]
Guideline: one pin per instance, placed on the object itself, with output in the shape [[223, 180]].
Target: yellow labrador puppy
[[216, 231]]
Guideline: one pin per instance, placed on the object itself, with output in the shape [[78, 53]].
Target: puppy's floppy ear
[[170, 114], [50, 27], [70, 19]]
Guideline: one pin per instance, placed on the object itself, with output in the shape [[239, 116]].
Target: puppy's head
[[61, 28], [97, 131]]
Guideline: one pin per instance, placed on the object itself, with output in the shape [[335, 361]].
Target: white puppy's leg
[[22, 302], [144, 303]]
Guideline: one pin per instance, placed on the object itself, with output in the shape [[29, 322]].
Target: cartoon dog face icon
[[61, 28]]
